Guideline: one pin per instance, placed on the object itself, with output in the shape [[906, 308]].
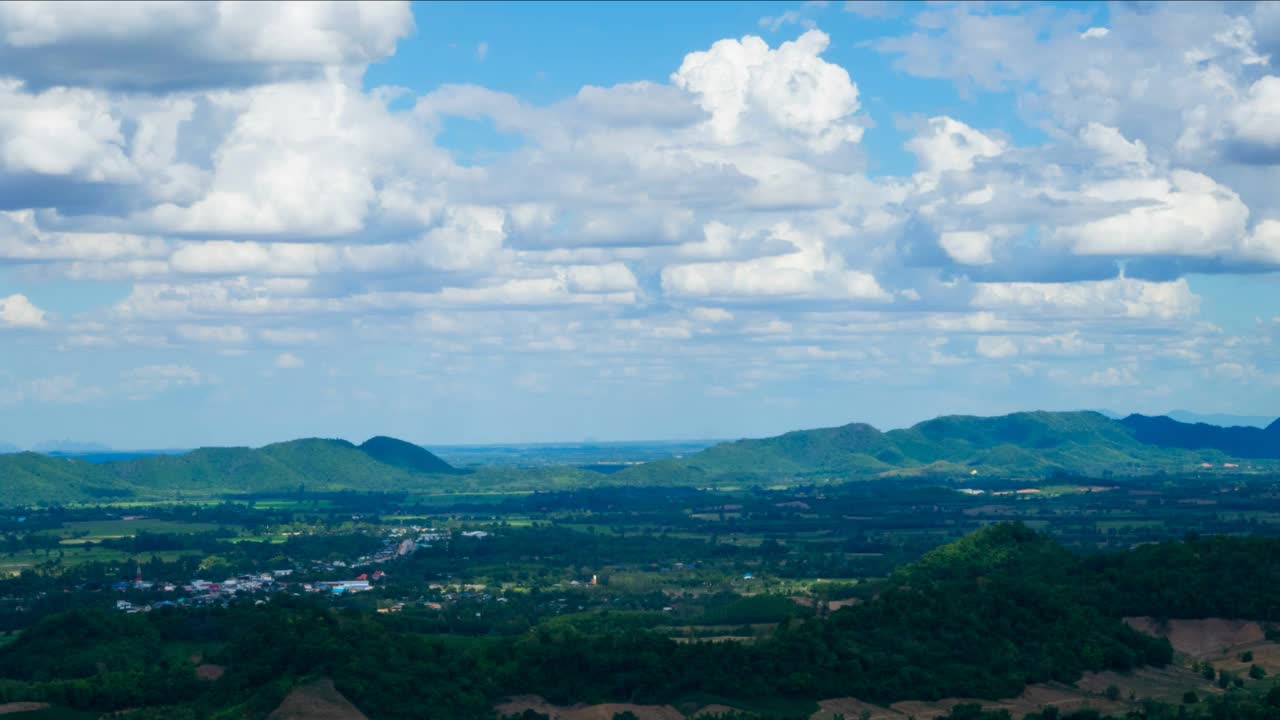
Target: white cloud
[[1188, 214], [995, 347], [301, 158], [967, 248], [220, 334], [1113, 146], [51, 390], [1263, 244], [288, 361], [1256, 119], [1120, 298], [470, 238], [16, 311], [289, 336], [711, 315], [177, 44], [482, 51], [812, 269], [947, 145], [61, 131], [750, 89], [149, 380], [1111, 377]]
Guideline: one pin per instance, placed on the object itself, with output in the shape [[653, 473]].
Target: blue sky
[[512, 222]]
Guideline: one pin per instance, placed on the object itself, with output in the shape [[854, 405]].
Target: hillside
[[310, 464], [1020, 444]]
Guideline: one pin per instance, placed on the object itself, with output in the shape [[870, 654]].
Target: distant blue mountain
[[1221, 419], [1245, 442]]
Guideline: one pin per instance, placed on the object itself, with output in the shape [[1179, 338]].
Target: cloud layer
[[226, 168]]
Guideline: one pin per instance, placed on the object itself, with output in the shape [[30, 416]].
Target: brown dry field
[[1201, 639], [316, 700]]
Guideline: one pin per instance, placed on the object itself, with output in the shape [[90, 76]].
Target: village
[[401, 542]]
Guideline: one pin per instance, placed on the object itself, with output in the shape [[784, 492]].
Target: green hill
[[311, 464], [1026, 444], [406, 456]]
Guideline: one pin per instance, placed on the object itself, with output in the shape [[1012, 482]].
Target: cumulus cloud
[[1256, 119], [1186, 214], [750, 89], [275, 203], [300, 158], [945, 145], [61, 131], [288, 361], [810, 270], [16, 311], [967, 248], [192, 44]]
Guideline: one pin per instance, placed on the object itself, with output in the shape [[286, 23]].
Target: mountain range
[[1027, 445]]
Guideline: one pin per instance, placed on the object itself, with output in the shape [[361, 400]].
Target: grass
[[14, 563]]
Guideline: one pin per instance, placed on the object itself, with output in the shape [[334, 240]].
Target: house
[[341, 586]]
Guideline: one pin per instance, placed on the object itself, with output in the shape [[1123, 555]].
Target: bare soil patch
[[712, 710], [316, 700], [19, 707], [849, 707], [1201, 639], [1166, 684], [210, 672], [519, 704]]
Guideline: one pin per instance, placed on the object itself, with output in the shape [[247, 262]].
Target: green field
[[96, 530]]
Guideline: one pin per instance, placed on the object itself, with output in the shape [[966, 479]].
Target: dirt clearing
[[210, 672], [21, 707], [316, 700], [517, 705], [1201, 639]]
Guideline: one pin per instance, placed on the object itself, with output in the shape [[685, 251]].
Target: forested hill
[[381, 464], [1025, 444]]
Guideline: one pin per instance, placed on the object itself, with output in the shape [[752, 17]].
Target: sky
[[239, 223]]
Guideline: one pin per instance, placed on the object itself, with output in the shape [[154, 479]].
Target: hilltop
[[381, 464]]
